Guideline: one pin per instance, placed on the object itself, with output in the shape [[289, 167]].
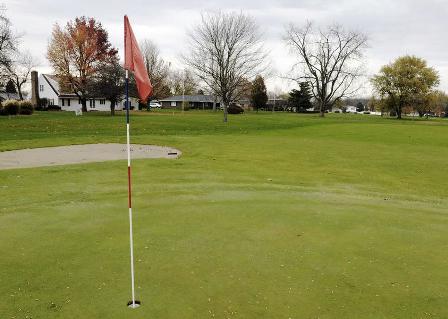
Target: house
[[48, 88], [245, 103], [194, 101], [8, 96], [279, 103], [351, 109]]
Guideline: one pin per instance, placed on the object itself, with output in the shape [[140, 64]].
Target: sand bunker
[[75, 154]]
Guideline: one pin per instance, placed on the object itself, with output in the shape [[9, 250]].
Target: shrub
[[53, 108], [26, 108], [235, 109], [11, 107], [186, 106], [42, 104]]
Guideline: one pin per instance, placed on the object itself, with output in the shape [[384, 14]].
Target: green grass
[[268, 216]]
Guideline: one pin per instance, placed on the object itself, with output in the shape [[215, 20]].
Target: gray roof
[[190, 98], [8, 96]]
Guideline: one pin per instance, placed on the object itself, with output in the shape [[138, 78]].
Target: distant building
[[48, 88], [279, 103], [350, 109], [202, 102], [8, 96]]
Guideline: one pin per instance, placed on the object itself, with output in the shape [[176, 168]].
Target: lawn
[[268, 216]]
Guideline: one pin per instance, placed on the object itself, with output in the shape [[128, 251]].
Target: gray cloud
[[394, 27]]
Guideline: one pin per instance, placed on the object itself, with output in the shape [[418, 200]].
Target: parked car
[[155, 105]]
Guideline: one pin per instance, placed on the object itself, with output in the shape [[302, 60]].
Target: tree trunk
[[112, 108], [225, 112], [399, 114], [84, 104], [19, 89], [322, 109]]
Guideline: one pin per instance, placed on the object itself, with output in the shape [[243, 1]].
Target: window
[[102, 101], [62, 101], [68, 102], [92, 104], [51, 102], [41, 87], [173, 103]]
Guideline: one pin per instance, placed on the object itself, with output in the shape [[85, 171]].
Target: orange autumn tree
[[77, 52]]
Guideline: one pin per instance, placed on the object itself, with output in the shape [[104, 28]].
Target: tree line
[[226, 57]]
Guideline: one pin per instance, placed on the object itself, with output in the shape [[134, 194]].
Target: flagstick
[[132, 304]]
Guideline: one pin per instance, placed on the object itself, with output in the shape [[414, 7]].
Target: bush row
[[14, 107], [48, 108]]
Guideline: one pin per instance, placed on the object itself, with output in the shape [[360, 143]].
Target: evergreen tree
[[359, 107], [10, 87], [259, 97], [294, 99], [305, 90], [301, 99]]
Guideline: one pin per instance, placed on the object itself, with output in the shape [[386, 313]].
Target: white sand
[[75, 154]]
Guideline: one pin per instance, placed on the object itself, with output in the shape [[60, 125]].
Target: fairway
[[271, 215]]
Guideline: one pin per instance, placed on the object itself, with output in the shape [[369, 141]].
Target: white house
[[351, 109], [48, 88]]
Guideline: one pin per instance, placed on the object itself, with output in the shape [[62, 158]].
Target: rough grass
[[268, 216]]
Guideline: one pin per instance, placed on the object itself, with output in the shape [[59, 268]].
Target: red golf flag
[[133, 61]]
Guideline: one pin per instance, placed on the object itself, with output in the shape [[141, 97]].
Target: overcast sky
[[394, 27]]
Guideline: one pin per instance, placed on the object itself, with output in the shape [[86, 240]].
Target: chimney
[[34, 89]]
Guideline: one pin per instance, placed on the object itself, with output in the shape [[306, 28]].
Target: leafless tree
[[8, 45], [157, 68], [183, 82], [226, 52], [329, 59], [20, 70]]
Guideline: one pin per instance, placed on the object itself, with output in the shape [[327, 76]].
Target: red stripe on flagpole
[[129, 186]]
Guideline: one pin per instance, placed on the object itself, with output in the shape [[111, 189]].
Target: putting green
[[267, 216]]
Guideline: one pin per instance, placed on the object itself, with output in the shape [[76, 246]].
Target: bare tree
[[8, 45], [20, 70], [157, 68], [225, 52], [109, 83], [183, 82], [330, 60]]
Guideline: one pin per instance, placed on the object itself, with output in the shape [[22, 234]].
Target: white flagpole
[[133, 303]]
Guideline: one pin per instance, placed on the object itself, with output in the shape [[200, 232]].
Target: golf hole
[[134, 304]]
